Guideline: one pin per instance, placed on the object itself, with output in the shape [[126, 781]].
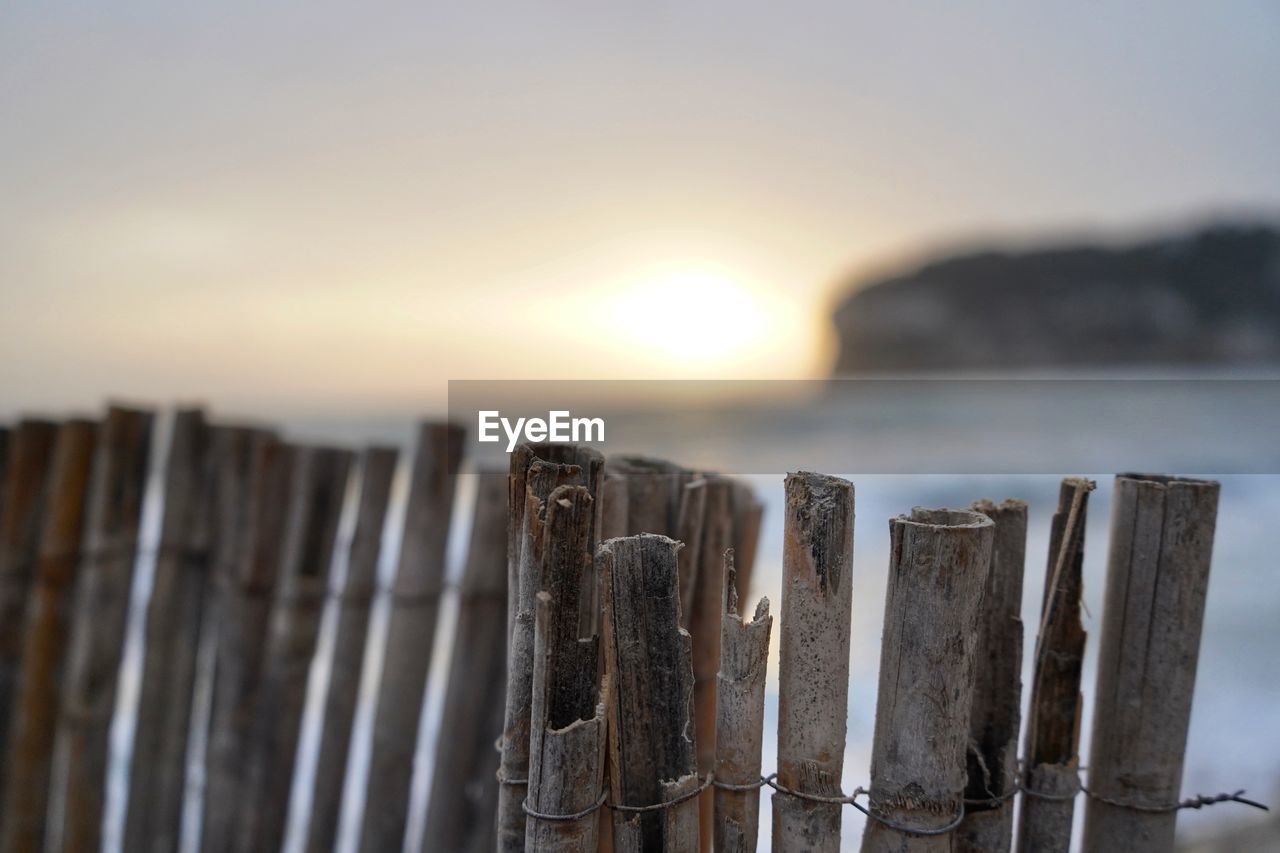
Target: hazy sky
[[326, 207]]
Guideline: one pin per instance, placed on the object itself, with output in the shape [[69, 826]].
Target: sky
[[324, 207]]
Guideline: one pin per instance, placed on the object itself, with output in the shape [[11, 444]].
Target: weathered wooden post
[[649, 666], [378, 466], [744, 657], [1053, 724], [247, 584], [813, 672], [415, 604], [1157, 577], [997, 688], [937, 574], [316, 498], [464, 793], [101, 612], [39, 695], [175, 616], [27, 459]]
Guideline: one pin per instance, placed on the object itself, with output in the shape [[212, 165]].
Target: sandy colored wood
[[748, 514], [27, 459], [744, 658], [377, 469], [1157, 576], [1053, 722], [464, 791], [649, 665], [995, 711], [937, 574], [411, 627], [246, 585], [39, 689], [101, 611]]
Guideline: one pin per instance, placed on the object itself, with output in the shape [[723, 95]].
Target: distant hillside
[[1211, 297]]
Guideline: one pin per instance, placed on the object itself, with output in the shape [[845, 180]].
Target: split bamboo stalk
[[997, 688], [378, 466], [1157, 576], [247, 583], [31, 736], [1053, 723], [567, 723], [26, 459], [539, 478], [649, 666], [649, 494], [744, 657], [415, 604], [937, 574], [464, 791], [98, 624], [317, 495], [813, 672], [174, 620], [748, 513]]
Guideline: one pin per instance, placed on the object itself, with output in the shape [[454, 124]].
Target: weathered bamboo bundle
[[744, 657], [1157, 576], [1053, 723], [464, 791], [98, 624], [649, 666], [813, 672], [937, 573], [377, 468], [175, 616], [995, 714], [31, 735], [536, 471], [247, 584], [27, 457], [316, 498], [411, 627]]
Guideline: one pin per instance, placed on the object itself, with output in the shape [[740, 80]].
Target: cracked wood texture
[[744, 658], [410, 639], [813, 670], [1157, 576], [354, 601], [536, 471], [1053, 725], [997, 686], [101, 613], [464, 792], [648, 660], [938, 567], [28, 770]]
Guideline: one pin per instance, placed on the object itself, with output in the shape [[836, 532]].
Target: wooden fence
[[600, 646]]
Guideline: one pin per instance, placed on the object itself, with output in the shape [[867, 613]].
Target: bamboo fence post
[[174, 617], [567, 722], [317, 494], [98, 624], [1053, 723], [247, 582], [26, 459], [464, 791], [937, 575], [1157, 576], [649, 666], [378, 467], [31, 736], [748, 514], [415, 603], [538, 477], [995, 711], [813, 672], [744, 657]]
